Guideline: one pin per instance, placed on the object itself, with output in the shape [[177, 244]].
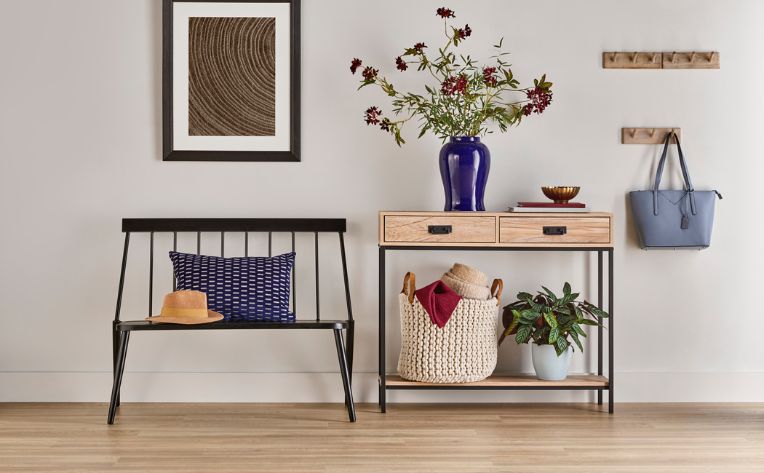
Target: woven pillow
[[250, 288]]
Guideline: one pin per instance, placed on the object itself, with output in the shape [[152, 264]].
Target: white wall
[[80, 149]]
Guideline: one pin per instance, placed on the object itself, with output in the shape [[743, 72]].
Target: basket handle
[[409, 286], [496, 288]]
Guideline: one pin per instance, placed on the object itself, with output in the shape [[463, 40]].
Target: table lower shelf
[[515, 381]]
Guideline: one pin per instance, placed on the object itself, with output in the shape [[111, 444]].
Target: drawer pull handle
[[555, 230], [439, 229]]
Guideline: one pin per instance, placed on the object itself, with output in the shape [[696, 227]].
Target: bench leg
[[350, 344], [124, 338], [115, 353], [341, 355]]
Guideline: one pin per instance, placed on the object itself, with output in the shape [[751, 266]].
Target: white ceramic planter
[[548, 365]]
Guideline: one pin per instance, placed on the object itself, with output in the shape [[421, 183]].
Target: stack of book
[[549, 207]]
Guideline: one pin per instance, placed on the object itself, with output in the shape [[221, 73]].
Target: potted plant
[[461, 104], [551, 323]]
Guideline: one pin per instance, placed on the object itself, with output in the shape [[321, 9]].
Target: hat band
[[184, 313]]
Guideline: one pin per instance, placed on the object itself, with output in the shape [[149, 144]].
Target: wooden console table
[[501, 231]]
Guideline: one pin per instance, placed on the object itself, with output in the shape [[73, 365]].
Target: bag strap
[[409, 286], [496, 290], [685, 173]]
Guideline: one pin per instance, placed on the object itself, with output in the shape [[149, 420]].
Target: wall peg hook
[[652, 132], [692, 57], [634, 56]]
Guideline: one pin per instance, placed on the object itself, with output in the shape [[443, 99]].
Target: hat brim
[[212, 316]]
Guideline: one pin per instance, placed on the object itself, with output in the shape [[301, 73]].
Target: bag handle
[[409, 286], [685, 173], [496, 288]]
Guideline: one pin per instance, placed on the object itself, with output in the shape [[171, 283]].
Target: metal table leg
[[382, 328], [611, 366]]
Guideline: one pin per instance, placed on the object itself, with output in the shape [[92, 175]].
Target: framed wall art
[[231, 80]]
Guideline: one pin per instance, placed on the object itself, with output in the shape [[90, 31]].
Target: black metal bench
[[121, 329]]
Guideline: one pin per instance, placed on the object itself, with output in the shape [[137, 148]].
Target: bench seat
[[131, 325]]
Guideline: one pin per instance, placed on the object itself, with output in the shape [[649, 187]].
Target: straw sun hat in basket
[[468, 282]]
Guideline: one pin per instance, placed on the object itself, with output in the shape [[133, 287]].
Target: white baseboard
[[326, 387]]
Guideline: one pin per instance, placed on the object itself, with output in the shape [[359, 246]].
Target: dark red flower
[[454, 85], [445, 13], [419, 47], [488, 76], [539, 98], [372, 116], [462, 33], [401, 64], [355, 64], [384, 125], [369, 74]]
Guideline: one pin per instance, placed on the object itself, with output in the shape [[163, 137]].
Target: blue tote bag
[[674, 218]]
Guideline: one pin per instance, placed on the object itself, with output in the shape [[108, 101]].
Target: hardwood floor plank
[[316, 438]]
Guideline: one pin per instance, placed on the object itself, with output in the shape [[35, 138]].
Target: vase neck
[[465, 139]]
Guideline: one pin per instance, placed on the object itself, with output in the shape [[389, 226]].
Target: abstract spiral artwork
[[232, 76], [231, 80]]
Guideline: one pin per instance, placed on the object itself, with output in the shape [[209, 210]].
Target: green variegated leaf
[[550, 319], [523, 334], [566, 289], [529, 316], [524, 296], [554, 333], [577, 328], [549, 293], [574, 335], [561, 345]]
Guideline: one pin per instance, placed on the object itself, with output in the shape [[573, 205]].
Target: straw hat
[[185, 307], [467, 282]]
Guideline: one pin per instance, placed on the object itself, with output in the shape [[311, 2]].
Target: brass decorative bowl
[[560, 194]]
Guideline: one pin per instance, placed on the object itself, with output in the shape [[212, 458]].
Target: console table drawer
[[439, 229], [554, 230]]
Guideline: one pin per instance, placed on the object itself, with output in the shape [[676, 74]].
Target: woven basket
[[463, 351]]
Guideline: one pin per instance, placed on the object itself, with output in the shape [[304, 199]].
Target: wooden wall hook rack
[[631, 60], [691, 60], [660, 60], [646, 136]]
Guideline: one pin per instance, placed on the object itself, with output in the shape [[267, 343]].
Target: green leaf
[[577, 340], [561, 345], [523, 334], [566, 289], [554, 333], [597, 311], [577, 329], [550, 319], [549, 293], [587, 322], [524, 296]]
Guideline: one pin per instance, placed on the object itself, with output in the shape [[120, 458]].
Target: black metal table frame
[[473, 387]]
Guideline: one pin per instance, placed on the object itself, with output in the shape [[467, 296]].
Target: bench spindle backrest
[[245, 226]]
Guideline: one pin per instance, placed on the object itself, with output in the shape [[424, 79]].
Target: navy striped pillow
[[249, 288]]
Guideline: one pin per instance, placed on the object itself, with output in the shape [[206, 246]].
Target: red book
[[552, 205]]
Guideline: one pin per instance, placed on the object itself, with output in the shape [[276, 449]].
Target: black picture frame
[[171, 154]]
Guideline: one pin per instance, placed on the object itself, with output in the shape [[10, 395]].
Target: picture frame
[[258, 119]]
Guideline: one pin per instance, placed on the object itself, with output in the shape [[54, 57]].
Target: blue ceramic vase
[[464, 166]]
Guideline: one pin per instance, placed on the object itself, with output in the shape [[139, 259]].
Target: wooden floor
[[409, 438]]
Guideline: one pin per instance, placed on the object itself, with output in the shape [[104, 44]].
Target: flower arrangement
[[468, 97]]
